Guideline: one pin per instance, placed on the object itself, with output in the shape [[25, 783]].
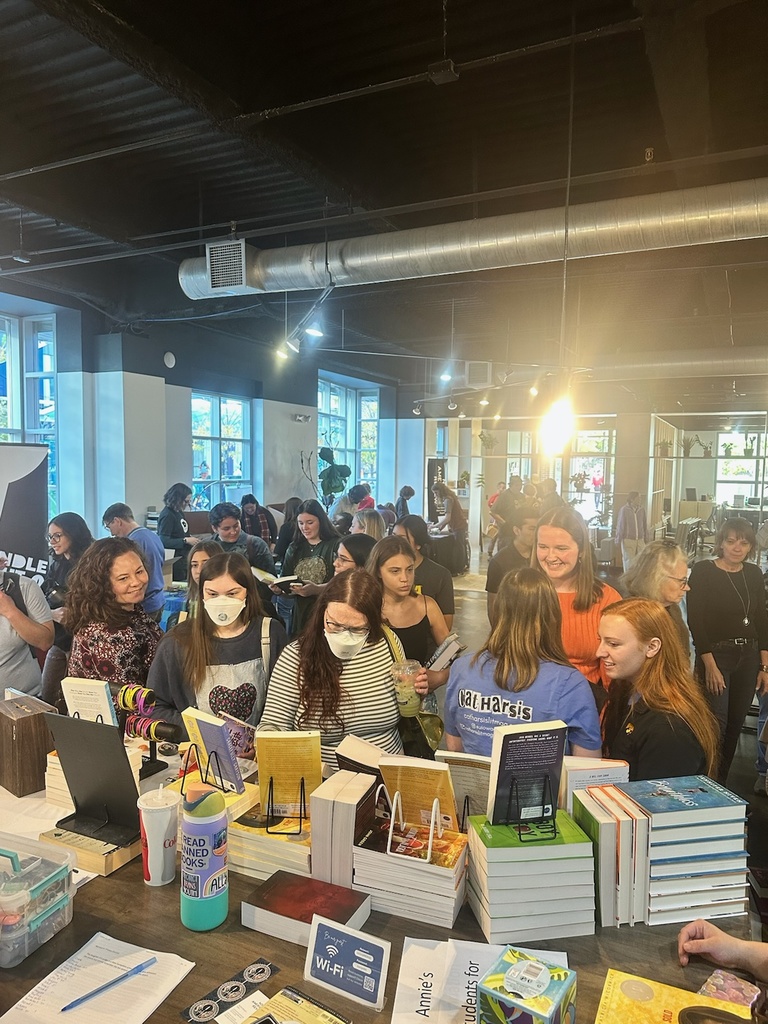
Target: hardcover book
[[684, 800], [526, 761], [633, 1000], [284, 905], [210, 735]]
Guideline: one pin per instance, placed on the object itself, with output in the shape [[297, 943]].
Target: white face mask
[[345, 645], [223, 610]]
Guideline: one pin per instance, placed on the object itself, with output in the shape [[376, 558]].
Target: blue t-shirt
[[475, 705], [154, 556]]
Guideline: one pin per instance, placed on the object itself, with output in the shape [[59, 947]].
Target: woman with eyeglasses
[[336, 676], [68, 537], [729, 624], [656, 717], [352, 553], [660, 573]]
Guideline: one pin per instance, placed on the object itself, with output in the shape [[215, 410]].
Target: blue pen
[[109, 984]]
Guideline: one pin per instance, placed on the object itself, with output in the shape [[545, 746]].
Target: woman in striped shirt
[[336, 676], [565, 556]]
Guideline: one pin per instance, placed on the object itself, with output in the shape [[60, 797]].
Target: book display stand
[[515, 812], [209, 767], [133, 703], [395, 805], [99, 778], [273, 818]]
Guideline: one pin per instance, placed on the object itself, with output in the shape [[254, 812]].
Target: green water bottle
[[204, 880]]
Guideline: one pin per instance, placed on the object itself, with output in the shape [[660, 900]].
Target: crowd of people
[[314, 645]]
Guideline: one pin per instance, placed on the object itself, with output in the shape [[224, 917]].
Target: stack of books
[[254, 851], [758, 884], [342, 811], [404, 881], [525, 885], [56, 788], [679, 848]]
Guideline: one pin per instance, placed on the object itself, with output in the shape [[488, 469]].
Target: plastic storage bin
[[36, 891]]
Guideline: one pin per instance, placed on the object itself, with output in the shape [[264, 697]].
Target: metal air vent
[[478, 374], [226, 265]]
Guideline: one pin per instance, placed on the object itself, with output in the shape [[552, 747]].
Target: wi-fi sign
[[331, 950]]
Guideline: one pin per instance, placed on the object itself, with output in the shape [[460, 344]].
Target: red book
[[284, 905]]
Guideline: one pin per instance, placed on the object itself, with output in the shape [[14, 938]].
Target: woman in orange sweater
[[565, 556]]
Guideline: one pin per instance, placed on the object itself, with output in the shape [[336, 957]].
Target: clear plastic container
[[36, 891]]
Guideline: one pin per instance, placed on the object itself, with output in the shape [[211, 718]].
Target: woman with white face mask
[[220, 660], [336, 676]]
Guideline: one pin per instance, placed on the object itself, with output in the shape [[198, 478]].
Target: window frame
[[211, 488]]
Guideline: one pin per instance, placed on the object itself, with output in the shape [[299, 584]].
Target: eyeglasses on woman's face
[[340, 627], [54, 538], [682, 580]]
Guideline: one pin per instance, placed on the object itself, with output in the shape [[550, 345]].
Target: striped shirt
[[368, 706]]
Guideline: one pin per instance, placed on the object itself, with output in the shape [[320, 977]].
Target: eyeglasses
[[339, 627], [54, 538], [343, 558], [682, 580]]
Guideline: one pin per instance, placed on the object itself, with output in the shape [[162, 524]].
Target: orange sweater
[[580, 638]]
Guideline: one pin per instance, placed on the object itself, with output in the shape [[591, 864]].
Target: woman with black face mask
[[336, 677], [220, 659]]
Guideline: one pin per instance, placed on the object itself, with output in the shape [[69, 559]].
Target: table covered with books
[[124, 907]]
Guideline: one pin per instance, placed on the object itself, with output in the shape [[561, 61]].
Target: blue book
[[682, 801]]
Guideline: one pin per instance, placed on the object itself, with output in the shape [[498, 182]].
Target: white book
[[691, 900], [735, 908], [601, 826], [90, 699], [581, 772], [624, 840], [640, 859]]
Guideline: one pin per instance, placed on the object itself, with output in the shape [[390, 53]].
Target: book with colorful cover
[[499, 843], [412, 843], [210, 735], [630, 999], [683, 800], [420, 782], [521, 985], [526, 762], [242, 734], [288, 762]]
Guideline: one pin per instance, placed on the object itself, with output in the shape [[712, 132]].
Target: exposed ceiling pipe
[[719, 362], [695, 216]]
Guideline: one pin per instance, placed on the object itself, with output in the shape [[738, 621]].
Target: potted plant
[[727, 447], [706, 448], [333, 479], [688, 443], [749, 447], [664, 449], [579, 481]]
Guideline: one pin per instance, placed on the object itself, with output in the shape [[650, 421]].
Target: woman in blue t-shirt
[[521, 674]]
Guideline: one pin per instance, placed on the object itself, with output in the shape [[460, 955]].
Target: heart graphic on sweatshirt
[[238, 702]]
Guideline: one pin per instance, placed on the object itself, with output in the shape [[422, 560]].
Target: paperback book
[[691, 798], [471, 778], [581, 772], [445, 655], [215, 752], [526, 761], [497, 844], [290, 770], [634, 1000], [419, 783], [92, 854], [90, 699]]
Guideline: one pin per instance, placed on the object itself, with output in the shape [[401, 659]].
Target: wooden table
[[124, 907]]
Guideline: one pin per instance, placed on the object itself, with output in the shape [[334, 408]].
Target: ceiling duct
[[695, 216], [721, 362]]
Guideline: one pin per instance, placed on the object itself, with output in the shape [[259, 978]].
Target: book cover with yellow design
[[633, 1000]]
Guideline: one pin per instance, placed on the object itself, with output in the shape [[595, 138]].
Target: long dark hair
[[196, 635], [417, 528], [320, 693], [90, 595], [589, 589], [211, 548], [290, 509], [312, 507], [176, 496], [76, 528]]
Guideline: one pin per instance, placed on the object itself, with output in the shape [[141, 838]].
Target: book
[[90, 699], [290, 1006], [494, 845], [445, 655], [358, 755], [623, 853], [698, 865], [691, 798], [526, 760], [679, 915], [290, 770], [471, 778], [242, 734], [92, 854], [601, 827], [497, 930], [640, 858], [210, 735], [235, 803], [691, 884], [581, 772], [419, 783], [342, 811], [283, 582], [285, 904], [412, 844], [685, 833], [628, 998]]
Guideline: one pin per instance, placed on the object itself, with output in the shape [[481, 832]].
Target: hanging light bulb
[[281, 353], [557, 427], [417, 408], [452, 407], [533, 391], [484, 401], [462, 414]]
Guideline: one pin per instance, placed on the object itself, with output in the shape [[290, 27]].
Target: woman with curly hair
[[656, 718], [336, 676], [113, 637], [218, 660], [310, 557]]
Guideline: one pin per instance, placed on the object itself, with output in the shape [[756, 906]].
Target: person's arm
[[578, 751], [260, 555], [166, 679], [37, 633], [442, 523], [490, 607], [702, 938], [282, 704], [454, 743], [173, 540], [439, 632], [620, 524]]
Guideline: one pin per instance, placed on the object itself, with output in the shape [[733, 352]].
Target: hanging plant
[[488, 441]]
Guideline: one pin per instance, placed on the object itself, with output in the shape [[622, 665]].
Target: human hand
[[702, 938], [307, 589], [713, 680], [421, 683], [57, 614], [7, 607]]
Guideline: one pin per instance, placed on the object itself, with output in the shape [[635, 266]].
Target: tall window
[[348, 422], [221, 449], [28, 388], [739, 466]]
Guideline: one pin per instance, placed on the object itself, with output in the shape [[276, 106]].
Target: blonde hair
[[645, 576], [665, 682], [527, 630], [372, 522]]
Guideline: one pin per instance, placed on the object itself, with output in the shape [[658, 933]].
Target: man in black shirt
[[516, 555], [504, 506]]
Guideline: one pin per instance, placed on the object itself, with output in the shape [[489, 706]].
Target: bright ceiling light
[[281, 353], [462, 415], [497, 416], [484, 401], [557, 427], [292, 344], [314, 330], [533, 391], [445, 376]]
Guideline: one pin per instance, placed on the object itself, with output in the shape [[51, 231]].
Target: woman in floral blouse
[[113, 638]]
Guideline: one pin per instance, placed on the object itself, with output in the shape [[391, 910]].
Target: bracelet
[[764, 668]]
